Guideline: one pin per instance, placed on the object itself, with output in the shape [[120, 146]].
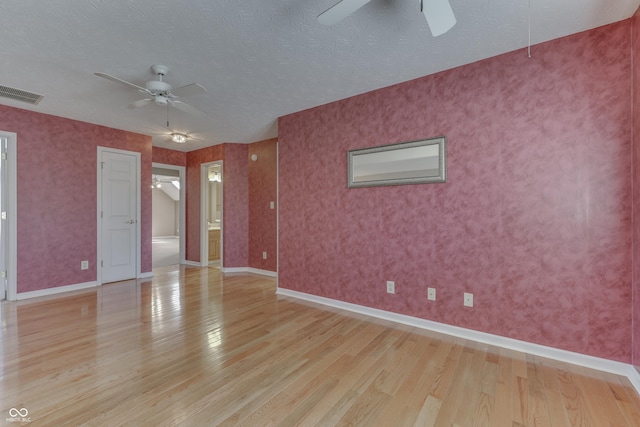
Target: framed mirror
[[415, 162]]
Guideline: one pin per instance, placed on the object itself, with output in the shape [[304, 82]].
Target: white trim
[[137, 155], [56, 290], [204, 202], [145, 275], [249, 270], [12, 215], [262, 272], [634, 377], [192, 263], [234, 269], [181, 206], [277, 207], [592, 362]]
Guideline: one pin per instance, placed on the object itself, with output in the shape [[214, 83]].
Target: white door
[[119, 214], [3, 218]]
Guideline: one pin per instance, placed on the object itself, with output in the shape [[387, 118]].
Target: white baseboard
[[263, 272], [146, 275], [249, 270], [192, 263], [234, 269], [56, 290], [592, 362]]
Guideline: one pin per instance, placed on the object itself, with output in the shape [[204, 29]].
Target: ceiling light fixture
[[155, 183], [179, 138]]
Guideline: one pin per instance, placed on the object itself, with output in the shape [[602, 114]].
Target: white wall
[[164, 214]]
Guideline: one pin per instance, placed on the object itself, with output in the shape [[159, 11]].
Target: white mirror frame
[[415, 162]]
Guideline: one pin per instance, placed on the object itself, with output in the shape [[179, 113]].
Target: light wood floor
[[194, 347]]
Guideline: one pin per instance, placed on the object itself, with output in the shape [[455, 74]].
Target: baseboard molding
[[592, 362], [146, 275], [192, 263], [263, 272], [234, 269], [56, 290], [249, 270], [634, 377]]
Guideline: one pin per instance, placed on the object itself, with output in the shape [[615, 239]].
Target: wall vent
[[20, 95]]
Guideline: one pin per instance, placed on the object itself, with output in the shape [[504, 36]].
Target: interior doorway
[[211, 214], [8, 215], [168, 214]]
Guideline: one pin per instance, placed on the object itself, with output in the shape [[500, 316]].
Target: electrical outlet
[[431, 294], [391, 287], [264, 255], [272, 205], [84, 265], [468, 299]]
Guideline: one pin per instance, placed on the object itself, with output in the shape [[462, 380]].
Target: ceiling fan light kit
[[440, 16], [178, 138]]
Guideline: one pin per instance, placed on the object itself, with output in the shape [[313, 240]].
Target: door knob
[[131, 221]]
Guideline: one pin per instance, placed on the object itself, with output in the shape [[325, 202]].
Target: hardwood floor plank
[[538, 411], [429, 412], [504, 391], [196, 347]]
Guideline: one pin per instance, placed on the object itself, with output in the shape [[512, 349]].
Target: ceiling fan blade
[[439, 16], [140, 103], [188, 90], [186, 108], [122, 82], [339, 11]]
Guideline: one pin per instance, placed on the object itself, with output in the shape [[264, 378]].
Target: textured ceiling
[[258, 60]]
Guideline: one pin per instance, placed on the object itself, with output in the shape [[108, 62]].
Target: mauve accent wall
[[169, 157], [57, 196], [235, 202], [535, 219], [635, 22], [263, 189]]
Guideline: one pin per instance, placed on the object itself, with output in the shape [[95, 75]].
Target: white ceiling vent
[[20, 95]]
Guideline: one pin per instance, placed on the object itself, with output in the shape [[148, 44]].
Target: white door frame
[[12, 215], [181, 206], [137, 155], [204, 227]]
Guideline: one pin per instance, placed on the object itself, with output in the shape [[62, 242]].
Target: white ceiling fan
[[439, 14], [161, 92]]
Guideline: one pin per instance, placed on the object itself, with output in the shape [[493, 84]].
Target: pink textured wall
[[263, 189], [57, 196], [235, 202], [535, 219], [169, 157], [236, 206], [635, 28]]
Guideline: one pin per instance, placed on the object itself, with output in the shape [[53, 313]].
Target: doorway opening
[[211, 214], [168, 213]]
